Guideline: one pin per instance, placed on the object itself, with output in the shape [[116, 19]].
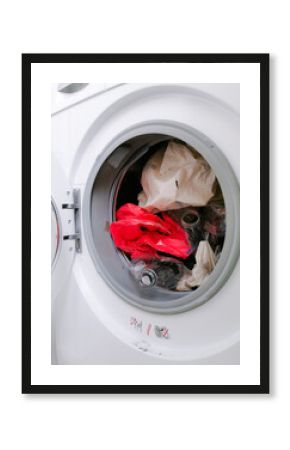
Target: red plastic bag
[[142, 235]]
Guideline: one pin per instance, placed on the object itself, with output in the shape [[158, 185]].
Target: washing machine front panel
[[66, 95], [198, 333], [195, 333], [179, 104]]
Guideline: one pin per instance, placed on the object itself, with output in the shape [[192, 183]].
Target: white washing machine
[[100, 315]]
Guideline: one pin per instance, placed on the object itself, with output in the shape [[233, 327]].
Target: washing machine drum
[[183, 267]]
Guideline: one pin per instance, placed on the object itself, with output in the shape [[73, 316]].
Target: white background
[[208, 422], [248, 371]]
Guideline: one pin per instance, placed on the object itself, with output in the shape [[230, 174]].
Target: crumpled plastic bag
[[175, 178], [142, 234], [205, 263]]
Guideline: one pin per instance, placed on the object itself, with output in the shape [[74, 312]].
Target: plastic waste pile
[[175, 235]]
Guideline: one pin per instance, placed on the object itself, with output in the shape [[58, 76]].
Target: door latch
[[75, 206]]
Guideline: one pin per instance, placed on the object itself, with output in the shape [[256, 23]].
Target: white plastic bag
[[205, 263], [175, 178]]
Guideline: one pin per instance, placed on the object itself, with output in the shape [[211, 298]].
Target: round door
[[55, 235]]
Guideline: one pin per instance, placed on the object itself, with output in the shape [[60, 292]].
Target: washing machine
[[100, 313]]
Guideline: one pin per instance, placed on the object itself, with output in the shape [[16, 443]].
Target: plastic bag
[[205, 263], [142, 234], [175, 178]]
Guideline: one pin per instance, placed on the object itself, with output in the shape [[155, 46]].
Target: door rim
[[230, 188]]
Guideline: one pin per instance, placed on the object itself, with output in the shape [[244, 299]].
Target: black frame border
[[260, 58]]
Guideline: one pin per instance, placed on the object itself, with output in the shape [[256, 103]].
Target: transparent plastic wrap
[[164, 273]]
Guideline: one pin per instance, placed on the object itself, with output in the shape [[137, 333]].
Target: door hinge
[[75, 206]]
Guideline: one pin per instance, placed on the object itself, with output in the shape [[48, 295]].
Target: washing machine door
[[65, 239], [55, 234]]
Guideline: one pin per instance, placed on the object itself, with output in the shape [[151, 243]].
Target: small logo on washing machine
[[149, 328]]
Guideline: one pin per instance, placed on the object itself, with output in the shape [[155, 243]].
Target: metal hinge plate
[[75, 206]]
